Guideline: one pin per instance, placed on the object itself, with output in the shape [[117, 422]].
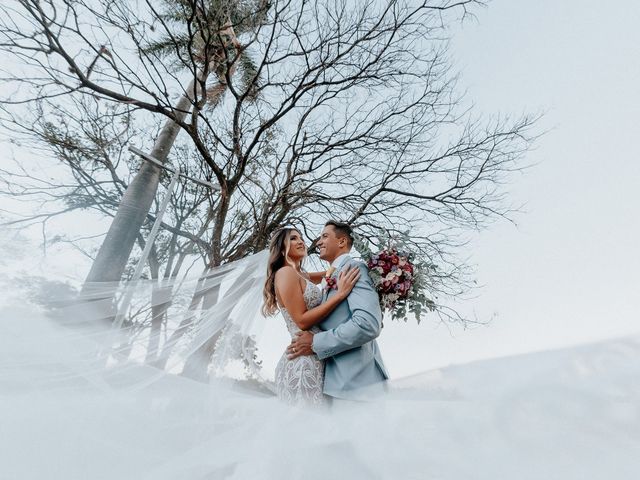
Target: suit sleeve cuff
[[322, 354]]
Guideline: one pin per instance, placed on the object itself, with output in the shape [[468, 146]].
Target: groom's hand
[[301, 345]]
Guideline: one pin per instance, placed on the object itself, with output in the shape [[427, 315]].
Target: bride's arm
[[287, 283], [316, 277], [363, 326]]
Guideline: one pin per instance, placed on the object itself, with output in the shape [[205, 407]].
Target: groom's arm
[[363, 326]]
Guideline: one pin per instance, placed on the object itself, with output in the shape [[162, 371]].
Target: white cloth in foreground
[[569, 414], [77, 403]]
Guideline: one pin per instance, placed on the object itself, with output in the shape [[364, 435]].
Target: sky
[[568, 272]]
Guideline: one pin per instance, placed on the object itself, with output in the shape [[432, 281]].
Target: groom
[[353, 365]]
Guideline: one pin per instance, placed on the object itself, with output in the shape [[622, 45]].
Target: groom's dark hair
[[342, 230]]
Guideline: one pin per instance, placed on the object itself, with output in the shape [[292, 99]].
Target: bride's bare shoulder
[[286, 274]]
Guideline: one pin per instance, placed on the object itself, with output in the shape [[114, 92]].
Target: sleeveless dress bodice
[[312, 298], [300, 381]]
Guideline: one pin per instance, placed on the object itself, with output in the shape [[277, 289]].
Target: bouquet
[[392, 275], [400, 281]]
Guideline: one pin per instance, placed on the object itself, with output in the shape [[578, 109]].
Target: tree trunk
[[196, 365], [160, 303], [188, 320], [113, 255]]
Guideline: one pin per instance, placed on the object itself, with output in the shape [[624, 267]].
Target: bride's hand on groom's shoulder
[[347, 279]]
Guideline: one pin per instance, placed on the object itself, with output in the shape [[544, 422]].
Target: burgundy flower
[[394, 276], [332, 283]]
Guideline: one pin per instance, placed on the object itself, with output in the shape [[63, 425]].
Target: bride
[[293, 292]]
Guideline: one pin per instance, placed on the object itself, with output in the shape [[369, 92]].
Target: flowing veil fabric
[[91, 338], [183, 389]]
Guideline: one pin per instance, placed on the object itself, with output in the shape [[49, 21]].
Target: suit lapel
[[325, 291]]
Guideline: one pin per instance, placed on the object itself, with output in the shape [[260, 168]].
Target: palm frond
[[167, 46], [215, 93], [249, 16], [248, 71]]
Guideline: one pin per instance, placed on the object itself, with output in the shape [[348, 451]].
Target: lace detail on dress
[[301, 380]]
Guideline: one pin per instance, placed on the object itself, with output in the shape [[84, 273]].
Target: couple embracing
[[333, 317]]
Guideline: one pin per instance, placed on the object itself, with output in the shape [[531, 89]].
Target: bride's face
[[297, 249]]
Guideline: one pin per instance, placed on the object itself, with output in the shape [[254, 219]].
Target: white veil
[[183, 390], [203, 328]]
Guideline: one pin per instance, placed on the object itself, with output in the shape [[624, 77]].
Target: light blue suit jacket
[[353, 364]]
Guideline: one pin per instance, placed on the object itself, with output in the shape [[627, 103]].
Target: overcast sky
[[568, 273]]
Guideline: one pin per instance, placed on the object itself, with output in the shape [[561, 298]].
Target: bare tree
[[116, 51], [89, 138], [346, 109]]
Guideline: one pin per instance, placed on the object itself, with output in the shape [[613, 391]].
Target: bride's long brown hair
[[278, 258]]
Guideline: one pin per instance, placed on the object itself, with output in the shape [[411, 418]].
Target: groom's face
[[330, 245]]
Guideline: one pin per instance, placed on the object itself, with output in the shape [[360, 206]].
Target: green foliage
[[207, 35]]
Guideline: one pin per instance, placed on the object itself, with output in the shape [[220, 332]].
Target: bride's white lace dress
[[300, 381]]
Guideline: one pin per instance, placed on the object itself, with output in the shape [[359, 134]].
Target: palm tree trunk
[[112, 257]]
